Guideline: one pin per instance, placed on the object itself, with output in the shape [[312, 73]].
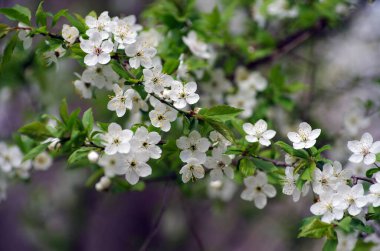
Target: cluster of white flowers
[[12, 165], [194, 150], [278, 9], [248, 84], [127, 153], [111, 36]]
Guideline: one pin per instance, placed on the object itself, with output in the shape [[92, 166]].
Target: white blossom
[[365, 149], [121, 101], [151, 37], [98, 51], [125, 30], [83, 87], [259, 132], [220, 165], [221, 189], [100, 25], [134, 166], [290, 187], [53, 55], [250, 81], [42, 161], [374, 192], [100, 76], [70, 33], [140, 53], [116, 139], [193, 147], [346, 242], [355, 120], [138, 103], [10, 157], [183, 94], [242, 100], [23, 35], [330, 205], [305, 138], [330, 177], [354, 197], [112, 164], [162, 115], [192, 170], [219, 141], [257, 189], [155, 81], [280, 9], [103, 184], [197, 47], [146, 142]]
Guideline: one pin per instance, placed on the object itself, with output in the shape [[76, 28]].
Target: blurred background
[[57, 212]]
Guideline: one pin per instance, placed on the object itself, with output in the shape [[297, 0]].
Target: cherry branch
[[49, 34]]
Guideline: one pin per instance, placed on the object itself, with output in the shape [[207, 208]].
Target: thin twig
[[49, 34], [274, 162], [156, 225], [356, 178]]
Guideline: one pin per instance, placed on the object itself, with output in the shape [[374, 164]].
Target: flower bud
[[54, 144], [99, 187], [93, 156]]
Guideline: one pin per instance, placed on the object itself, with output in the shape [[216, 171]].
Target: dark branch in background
[[290, 43]]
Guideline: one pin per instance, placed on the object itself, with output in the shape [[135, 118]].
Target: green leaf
[[330, 245], [95, 176], [371, 172], [171, 64], [64, 111], [41, 15], [35, 151], [290, 150], [8, 51], [246, 167], [120, 70], [35, 130], [345, 224], [357, 224], [75, 22], [88, 120], [58, 15], [18, 13], [220, 113], [221, 128], [80, 155], [324, 148], [364, 246], [4, 29], [308, 172], [264, 165], [313, 227]]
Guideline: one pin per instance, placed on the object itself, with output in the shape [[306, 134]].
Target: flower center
[[97, 51]]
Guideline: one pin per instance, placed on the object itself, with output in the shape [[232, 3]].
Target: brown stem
[[356, 178], [49, 34]]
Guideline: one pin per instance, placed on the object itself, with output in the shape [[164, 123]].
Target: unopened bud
[[93, 156], [54, 144]]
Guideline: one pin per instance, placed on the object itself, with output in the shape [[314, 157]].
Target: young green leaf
[[88, 120], [246, 167], [220, 113], [17, 13], [35, 151], [36, 131], [8, 51], [330, 245], [313, 227], [41, 15]]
